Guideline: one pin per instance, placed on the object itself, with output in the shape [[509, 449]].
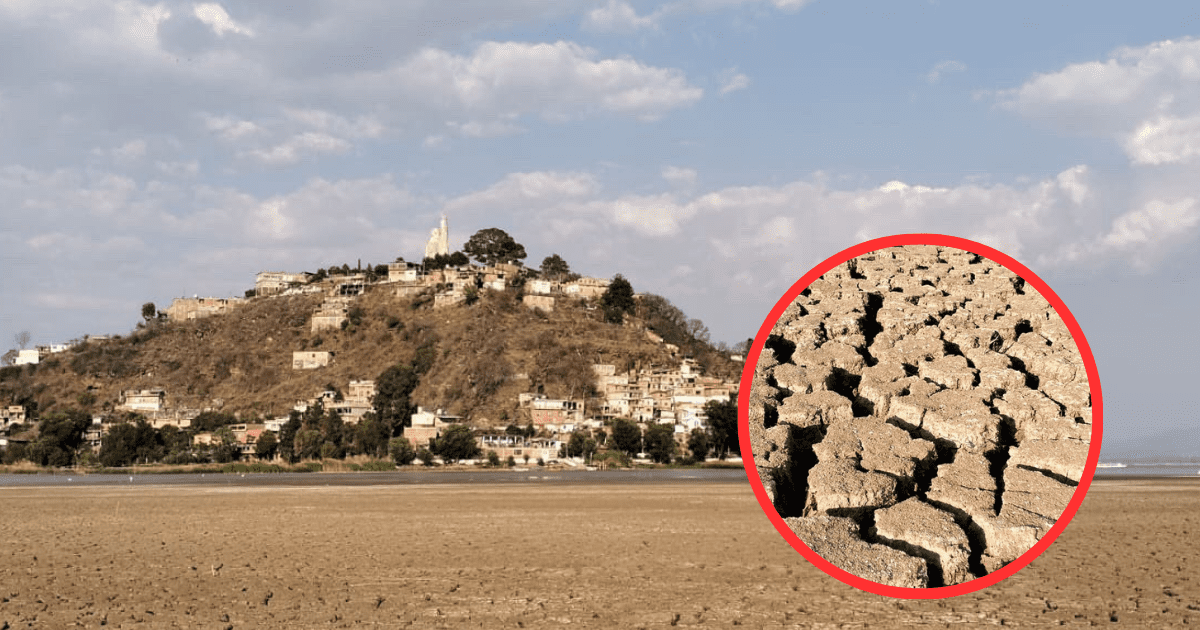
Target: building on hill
[[31, 356], [543, 302], [310, 360], [143, 399], [10, 415], [427, 425], [330, 315], [586, 287], [404, 272], [272, 282], [184, 309], [520, 448], [439, 240]]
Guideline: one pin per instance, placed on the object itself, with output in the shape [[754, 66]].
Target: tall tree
[[723, 424], [392, 389], [626, 436], [493, 245], [555, 268], [617, 300], [660, 442], [698, 444], [267, 445], [148, 311]]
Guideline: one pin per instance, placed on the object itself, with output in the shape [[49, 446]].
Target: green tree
[[402, 451], [287, 437], [130, 442], [59, 437], [227, 448], [425, 456], [493, 245], [555, 268], [371, 435], [627, 437], [308, 444], [267, 445], [149, 311], [617, 300], [723, 424], [698, 444], [660, 442], [457, 443], [493, 459], [575, 444], [441, 261], [392, 390]]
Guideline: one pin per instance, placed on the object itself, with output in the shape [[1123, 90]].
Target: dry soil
[[612, 556]]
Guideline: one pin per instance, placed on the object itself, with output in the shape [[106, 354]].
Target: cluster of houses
[[673, 394]]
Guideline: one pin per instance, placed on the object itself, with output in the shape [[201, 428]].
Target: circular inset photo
[[920, 416]]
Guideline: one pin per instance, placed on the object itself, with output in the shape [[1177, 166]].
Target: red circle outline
[[1085, 352]]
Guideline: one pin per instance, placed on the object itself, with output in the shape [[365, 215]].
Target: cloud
[[679, 176], [559, 81], [943, 68], [1145, 98], [218, 19], [617, 16], [734, 81], [307, 144]]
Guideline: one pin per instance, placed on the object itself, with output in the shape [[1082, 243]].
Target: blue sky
[[710, 150]]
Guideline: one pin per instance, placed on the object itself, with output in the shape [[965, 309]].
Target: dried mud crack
[[920, 416]]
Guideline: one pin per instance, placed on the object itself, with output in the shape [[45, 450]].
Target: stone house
[[143, 399], [544, 302], [28, 357], [427, 425], [520, 448], [550, 412], [540, 287], [331, 314], [309, 360], [272, 282], [184, 309], [586, 287], [404, 272]]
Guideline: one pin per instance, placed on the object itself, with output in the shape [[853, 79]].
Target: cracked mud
[[920, 417]]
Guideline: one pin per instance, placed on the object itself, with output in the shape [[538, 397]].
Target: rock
[[951, 372], [966, 484], [1064, 457], [1034, 492], [838, 542], [819, 407], [838, 484], [876, 446], [933, 531]]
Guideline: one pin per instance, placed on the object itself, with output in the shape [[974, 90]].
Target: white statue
[[439, 240]]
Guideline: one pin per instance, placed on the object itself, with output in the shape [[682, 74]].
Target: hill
[[480, 355]]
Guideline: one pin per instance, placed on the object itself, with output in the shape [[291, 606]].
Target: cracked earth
[[920, 416]]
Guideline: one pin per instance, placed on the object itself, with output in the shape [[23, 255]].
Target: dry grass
[[243, 359]]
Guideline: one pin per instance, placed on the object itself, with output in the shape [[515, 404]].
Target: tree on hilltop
[[492, 246], [149, 311], [441, 261], [617, 300], [555, 268]]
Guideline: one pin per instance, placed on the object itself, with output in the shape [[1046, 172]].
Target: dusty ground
[[614, 556], [920, 416]]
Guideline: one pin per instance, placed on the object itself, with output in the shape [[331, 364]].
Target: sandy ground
[[624, 556]]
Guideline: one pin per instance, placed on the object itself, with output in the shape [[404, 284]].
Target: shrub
[[425, 456]]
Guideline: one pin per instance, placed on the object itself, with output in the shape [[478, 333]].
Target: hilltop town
[[464, 355]]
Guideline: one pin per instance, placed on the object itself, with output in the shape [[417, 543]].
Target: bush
[[425, 456], [493, 459], [401, 451], [375, 465]]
